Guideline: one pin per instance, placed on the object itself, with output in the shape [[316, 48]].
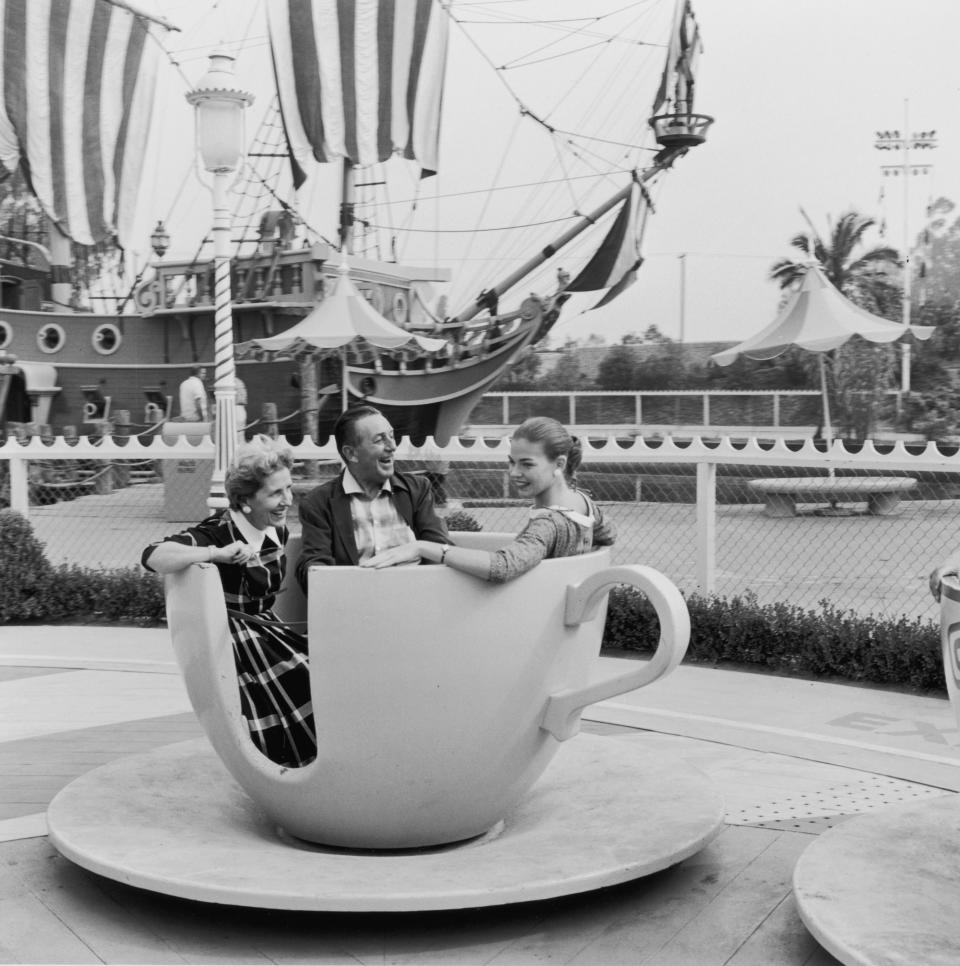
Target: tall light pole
[[683, 295], [219, 108], [905, 168]]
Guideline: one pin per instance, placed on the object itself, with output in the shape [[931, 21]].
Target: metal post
[[706, 526], [683, 295], [268, 418], [122, 431], [19, 486], [904, 347], [224, 387]]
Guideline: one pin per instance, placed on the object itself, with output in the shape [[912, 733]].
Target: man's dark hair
[[343, 429]]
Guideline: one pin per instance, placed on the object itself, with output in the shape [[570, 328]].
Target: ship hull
[[62, 379]]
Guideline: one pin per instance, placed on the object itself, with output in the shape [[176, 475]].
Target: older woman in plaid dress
[[246, 543]]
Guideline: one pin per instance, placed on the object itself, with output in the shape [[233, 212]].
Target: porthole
[[400, 308], [51, 338], [6, 334], [106, 338]]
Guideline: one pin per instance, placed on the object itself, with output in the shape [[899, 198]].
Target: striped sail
[[359, 79], [78, 80]]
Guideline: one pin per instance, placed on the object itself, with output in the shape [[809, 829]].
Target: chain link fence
[[784, 522]]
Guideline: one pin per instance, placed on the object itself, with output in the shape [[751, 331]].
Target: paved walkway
[[791, 757]]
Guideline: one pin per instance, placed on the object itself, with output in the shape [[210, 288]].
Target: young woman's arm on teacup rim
[[473, 562]]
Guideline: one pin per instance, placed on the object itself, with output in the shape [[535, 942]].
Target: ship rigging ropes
[[545, 113], [576, 93]]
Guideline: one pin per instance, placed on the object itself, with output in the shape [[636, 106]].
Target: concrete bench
[[881, 493]]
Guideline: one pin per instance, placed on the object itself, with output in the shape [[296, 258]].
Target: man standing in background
[[193, 396]]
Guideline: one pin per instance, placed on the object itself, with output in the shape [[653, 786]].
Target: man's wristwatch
[[443, 552]]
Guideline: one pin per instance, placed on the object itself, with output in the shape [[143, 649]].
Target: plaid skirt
[[274, 678]]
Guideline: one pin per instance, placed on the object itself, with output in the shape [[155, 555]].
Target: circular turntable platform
[[173, 821], [883, 889]]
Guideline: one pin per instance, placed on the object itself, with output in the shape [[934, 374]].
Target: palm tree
[[863, 278]]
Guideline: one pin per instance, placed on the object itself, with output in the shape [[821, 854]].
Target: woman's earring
[[245, 508]]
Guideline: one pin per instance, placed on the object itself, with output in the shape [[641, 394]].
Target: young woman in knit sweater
[[564, 521]]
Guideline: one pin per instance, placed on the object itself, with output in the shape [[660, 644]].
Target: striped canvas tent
[[77, 80], [361, 80]]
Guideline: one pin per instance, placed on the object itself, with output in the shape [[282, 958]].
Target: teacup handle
[[561, 716]]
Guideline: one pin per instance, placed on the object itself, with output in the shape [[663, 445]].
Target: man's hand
[[405, 553]]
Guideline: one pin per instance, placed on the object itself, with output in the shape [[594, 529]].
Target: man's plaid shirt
[[377, 526]]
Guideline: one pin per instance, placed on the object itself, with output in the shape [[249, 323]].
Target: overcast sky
[[798, 89]]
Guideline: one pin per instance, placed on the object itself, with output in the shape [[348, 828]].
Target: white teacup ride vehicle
[[884, 887], [439, 701]]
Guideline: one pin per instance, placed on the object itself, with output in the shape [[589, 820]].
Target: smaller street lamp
[[220, 135], [160, 242], [160, 239]]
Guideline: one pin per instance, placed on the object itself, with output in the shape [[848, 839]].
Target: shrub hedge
[[35, 590], [463, 521], [788, 639], [781, 637]]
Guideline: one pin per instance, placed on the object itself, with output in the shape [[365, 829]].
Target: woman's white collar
[[250, 533]]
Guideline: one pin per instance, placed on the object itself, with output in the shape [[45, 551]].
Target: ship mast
[[489, 296], [676, 131], [348, 190]]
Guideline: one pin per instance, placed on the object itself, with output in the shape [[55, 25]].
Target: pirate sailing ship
[[356, 90]]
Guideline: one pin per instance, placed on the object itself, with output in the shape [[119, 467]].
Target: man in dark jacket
[[369, 507]]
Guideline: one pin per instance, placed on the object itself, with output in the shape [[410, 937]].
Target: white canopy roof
[[343, 317], [818, 318]]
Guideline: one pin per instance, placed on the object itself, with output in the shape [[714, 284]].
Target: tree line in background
[[859, 372]]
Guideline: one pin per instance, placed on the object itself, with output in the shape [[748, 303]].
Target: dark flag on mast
[[677, 83], [361, 81], [614, 264]]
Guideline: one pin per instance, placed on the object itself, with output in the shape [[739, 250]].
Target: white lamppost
[[220, 134], [905, 168]]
